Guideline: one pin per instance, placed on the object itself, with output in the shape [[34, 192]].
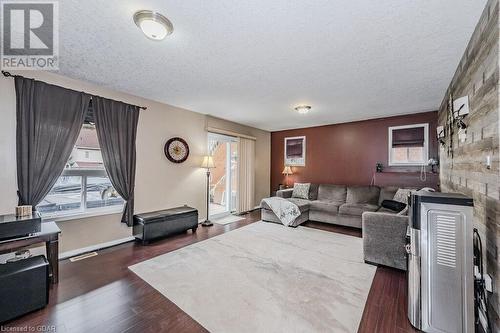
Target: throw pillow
[[402, 195], [301, 190], [395, 206], [404, 212]]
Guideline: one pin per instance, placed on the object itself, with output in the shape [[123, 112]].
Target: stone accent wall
[[477, 76]]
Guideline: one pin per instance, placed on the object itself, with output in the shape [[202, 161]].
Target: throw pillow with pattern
[[301, 190], [402, 195]]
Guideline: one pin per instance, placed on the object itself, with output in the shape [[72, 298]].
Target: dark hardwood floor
[[100, 294]]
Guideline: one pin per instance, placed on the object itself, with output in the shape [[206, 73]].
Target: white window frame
[[426, 145], [83, 211]]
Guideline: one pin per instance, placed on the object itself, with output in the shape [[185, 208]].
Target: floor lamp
[[208, 163]]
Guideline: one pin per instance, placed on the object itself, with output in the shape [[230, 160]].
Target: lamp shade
[[287, 170], [208, 162]]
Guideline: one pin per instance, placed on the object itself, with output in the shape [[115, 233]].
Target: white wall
[[160, 184]]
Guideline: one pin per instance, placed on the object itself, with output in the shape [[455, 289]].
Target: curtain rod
[[7, 74]]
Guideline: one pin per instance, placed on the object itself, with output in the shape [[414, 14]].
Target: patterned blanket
[[285, 210]]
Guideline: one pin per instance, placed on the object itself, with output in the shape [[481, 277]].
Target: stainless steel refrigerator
[[440, 262]]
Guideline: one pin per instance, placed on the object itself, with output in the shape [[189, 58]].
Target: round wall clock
[[176, 150]]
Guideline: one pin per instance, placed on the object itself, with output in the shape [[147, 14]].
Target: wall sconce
[[441, 135], [461, 110]]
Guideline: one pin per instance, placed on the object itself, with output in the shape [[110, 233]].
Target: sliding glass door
[[223, 178]]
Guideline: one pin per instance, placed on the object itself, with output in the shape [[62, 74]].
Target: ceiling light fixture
[[303, 109], [154, 25]]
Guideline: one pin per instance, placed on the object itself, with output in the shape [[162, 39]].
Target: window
[[408, 145], [84, 186]]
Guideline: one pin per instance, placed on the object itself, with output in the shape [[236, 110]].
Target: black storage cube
[[24, 287], [149, 226]]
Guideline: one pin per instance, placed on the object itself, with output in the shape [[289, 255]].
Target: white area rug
[[265, 277], [228, 219]]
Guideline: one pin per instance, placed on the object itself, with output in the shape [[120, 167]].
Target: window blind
[[408, 137]]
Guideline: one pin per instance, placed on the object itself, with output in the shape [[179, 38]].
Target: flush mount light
[[154, 25], [303, 109]]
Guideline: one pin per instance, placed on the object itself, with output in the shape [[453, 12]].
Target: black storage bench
[[161, 223]]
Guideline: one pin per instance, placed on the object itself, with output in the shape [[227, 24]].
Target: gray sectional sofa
[[354, 206], [335, 204]]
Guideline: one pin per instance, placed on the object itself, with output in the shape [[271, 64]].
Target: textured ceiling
[[253, 61]]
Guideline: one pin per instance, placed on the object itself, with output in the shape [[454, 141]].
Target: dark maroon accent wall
[[346, 153]]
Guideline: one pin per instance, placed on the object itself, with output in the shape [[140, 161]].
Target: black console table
[[49, 234]]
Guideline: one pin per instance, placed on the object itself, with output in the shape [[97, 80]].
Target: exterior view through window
[[84, 185], [408, 145]]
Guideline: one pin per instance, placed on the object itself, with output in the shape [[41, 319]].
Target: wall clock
[[176, 150]]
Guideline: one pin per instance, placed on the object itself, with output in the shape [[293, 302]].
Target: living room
[[250, 167]]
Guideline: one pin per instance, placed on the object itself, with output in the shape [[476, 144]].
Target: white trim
[[82, 215], [426, 145], [230, 133], [72, 253]]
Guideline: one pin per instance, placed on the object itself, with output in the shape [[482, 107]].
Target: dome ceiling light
[[303, 109], [154, 25]]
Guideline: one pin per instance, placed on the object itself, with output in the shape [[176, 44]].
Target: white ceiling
[[253, 61]]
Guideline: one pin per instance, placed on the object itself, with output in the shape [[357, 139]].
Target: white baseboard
[[72, 253]]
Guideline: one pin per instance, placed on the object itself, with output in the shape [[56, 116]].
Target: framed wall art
[[295, 151]]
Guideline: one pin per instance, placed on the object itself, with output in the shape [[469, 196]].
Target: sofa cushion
[[387, 193], [313, 192], [363, 195], [301, 191], [336, 193], [329, 207], [356, 209], [303, 204], [385, 210]]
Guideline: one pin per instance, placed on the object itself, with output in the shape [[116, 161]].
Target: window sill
[[407, 164], [83, 215]]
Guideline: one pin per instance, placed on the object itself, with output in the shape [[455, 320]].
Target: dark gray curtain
[[49, 119], [116, 125]]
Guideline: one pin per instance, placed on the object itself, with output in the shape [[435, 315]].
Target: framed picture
[[295, 151]]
